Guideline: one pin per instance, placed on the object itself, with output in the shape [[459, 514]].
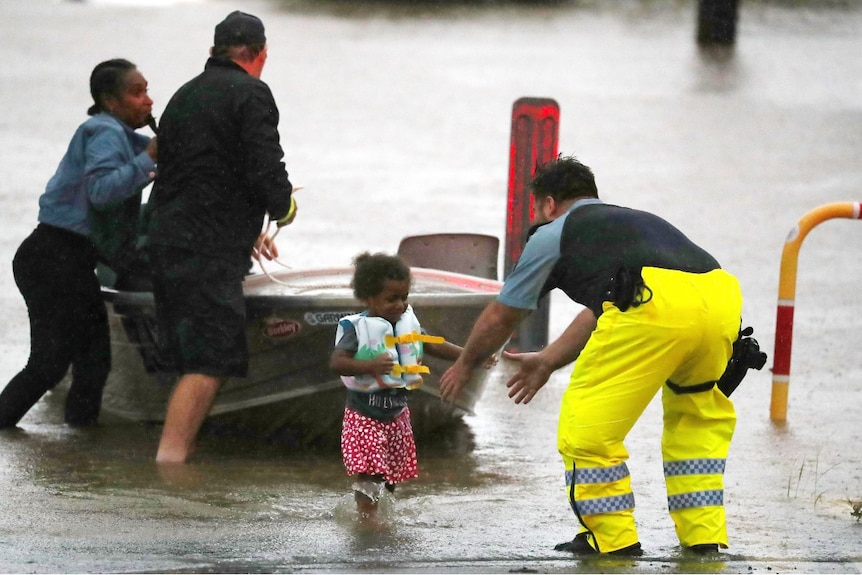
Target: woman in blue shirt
[[88, 213]]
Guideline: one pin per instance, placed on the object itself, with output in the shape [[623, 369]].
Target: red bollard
[[535, 131]]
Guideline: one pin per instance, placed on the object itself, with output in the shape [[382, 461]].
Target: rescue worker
[[659, 313]]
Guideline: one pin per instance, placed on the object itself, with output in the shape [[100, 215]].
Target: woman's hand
[[153, 149]]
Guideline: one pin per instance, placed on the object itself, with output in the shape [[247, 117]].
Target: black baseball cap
[[239, 29]]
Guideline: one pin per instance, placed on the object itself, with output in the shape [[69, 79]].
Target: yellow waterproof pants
[[684, 334]]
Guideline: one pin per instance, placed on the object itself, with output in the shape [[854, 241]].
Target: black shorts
[[200, 310]]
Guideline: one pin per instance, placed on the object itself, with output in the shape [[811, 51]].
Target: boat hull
[[290, 394]]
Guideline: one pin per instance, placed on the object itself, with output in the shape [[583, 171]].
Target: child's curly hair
[[372, 271]]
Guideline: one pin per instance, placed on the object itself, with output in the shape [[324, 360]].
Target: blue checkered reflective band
[[606, 504], [695, 499], [694, 467], [597, 474]]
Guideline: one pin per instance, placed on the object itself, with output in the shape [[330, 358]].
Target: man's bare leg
[[189, 405]]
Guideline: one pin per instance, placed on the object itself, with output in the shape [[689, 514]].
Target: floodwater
[[396, 121]]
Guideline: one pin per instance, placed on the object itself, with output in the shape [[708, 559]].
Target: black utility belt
[[681, 390], [746, 355]]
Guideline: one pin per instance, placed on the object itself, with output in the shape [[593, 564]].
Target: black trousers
[[68, 326]]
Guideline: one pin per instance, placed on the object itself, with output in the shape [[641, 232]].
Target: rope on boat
[[257, 255], [271, 240]]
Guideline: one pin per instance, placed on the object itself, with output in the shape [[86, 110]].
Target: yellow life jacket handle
[[413, 337], [399, 369]]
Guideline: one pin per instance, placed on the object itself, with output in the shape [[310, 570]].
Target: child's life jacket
[[404, 343]]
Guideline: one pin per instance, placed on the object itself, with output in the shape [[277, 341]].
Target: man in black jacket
[[220, 173]]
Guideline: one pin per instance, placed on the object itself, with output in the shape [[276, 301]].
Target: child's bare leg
[[366, 506], [366, 492]]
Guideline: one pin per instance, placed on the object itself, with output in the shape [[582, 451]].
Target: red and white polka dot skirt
[[379, 448]]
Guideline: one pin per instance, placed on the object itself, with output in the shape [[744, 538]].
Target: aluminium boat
[[290, 395]]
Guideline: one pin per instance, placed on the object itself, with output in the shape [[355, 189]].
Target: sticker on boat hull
[[325, 317], [277, 328]]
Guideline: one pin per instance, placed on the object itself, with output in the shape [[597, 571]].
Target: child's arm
[[450, 351], [445, 350], [342, 362]]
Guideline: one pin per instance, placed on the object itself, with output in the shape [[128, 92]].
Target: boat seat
[[471, 254]]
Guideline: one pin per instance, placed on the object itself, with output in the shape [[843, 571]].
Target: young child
[[378, 354]]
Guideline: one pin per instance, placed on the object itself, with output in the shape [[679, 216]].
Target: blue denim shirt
[[106, 162]]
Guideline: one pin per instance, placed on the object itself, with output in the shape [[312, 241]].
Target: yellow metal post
[[787, 294]]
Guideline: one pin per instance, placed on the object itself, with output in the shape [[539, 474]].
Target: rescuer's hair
[[564, 178]]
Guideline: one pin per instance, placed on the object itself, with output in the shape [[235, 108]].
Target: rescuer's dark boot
[[580, 545]]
